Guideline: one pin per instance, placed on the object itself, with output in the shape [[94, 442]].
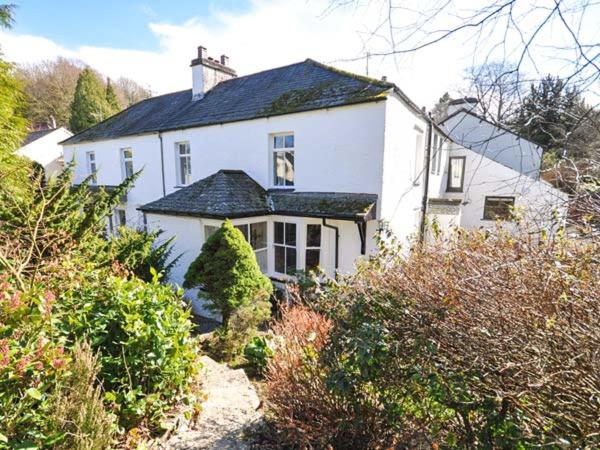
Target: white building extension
[[44, 147], [305, 159]]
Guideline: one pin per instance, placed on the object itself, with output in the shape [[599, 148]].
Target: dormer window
[[184, 163], [282, 147]]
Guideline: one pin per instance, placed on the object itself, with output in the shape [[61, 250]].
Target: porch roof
[[234, 194]]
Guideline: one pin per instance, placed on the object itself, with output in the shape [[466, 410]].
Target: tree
[[111, 98], [7, 15], [89, 104], [129, 92], [440, 111], [227, 270]]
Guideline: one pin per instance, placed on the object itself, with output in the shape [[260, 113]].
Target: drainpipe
[[426, 181], [162, 163], [337, 244]]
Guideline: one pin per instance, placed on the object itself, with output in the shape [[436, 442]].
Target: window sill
[[179, 186], [455, 191]]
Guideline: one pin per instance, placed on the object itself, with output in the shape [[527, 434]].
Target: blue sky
[[112, 23]]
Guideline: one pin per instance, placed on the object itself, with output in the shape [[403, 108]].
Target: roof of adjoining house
[[233, 194], [303, 86], [35, 135]]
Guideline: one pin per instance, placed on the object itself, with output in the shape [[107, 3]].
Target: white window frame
[[92, 166], [312, 247], [419, 155], [434, 153], [183, 179], [439, 155], [125, 160], [275, 152], [285, 246]]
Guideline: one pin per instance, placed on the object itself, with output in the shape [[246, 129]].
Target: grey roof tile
[[233, 194], [304, 86]]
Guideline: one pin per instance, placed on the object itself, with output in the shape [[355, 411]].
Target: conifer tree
[[111, 98], [89, 104], [228, 272]]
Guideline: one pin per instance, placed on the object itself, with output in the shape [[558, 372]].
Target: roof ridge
[[348, 74]]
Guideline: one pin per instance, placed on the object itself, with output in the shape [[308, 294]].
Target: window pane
[[312, 258], [278, 232], [290, 234], [209, 230], [127, 153], [498, 208], [244, 229], [261, 259], [258, 235], [184, 148], [279, 169], [277, 141], [290, 260], [313, 235], [289, 168], [128, 168], [279, 259], [456, 173], [122, 217], [289, 141]]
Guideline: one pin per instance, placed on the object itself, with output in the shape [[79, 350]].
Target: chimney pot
[[201, 52], [225, 60], [384, 78]]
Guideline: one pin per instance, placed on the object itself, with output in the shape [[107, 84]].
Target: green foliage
[[89, 104], [227, 271], [258, 351], [7, 15], [111, 99], [142, 334], [140, 251]]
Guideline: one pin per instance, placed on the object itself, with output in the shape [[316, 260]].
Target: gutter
[[162, 163], [427, 167], [337, 244]]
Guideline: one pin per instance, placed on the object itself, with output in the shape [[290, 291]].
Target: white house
[[306, 160], [43, 146]]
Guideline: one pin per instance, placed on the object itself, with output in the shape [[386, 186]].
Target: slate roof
[[303, 86], [234, 194], [35, 135]]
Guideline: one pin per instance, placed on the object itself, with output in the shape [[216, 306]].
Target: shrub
[[483, 341], [259, 351], [76, 411], [140, 251], [142, 332], [227, 271]]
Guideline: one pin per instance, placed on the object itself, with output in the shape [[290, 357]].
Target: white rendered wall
[[47, 151], [537, 200], [495, 143]]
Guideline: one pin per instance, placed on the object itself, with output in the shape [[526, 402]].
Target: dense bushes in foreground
[[485, 341]]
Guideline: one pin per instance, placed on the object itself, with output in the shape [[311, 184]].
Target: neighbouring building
[[43, 146], [306, 160]]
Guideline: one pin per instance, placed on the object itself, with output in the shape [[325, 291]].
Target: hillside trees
[[89, 104]]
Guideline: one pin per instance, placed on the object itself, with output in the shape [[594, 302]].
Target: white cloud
[[270, 34]]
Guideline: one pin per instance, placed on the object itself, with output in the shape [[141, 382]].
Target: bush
[[142, 332], [227, 271], [140, 251], [259, 351], [485, 341]]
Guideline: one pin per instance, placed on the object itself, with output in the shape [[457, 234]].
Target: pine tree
[[111, 98], [89, 104], [228, 272]]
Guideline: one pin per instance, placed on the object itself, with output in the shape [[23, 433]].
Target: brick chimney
[[208, 72]]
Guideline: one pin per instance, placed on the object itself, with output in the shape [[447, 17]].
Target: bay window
[[285, 247], [256, 235], [283, 159]]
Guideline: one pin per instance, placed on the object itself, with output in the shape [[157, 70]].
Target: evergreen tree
[[111, 99], [89, 104], [227, 270]]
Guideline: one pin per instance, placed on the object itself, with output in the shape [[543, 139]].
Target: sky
[[154, 42]]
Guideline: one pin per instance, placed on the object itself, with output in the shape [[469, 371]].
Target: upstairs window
[[439, 156], [184, 163], [256, 235], [285, 247], [313, 246], [498, 208], [91, 166], [434, 154], [456, 174], [418, 166], [283, 159], [127, 162], [209, 230]]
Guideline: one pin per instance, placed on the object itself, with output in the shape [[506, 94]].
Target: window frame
[[250, 239], [180, 179], [450, 188], [312, 247], [125, 160], [275, 151], [439, 154], [509, 198], [90, 158], [119, 212], [418, 166], [285, 246]]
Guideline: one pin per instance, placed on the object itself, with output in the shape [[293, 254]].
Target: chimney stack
[[207, 72]]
